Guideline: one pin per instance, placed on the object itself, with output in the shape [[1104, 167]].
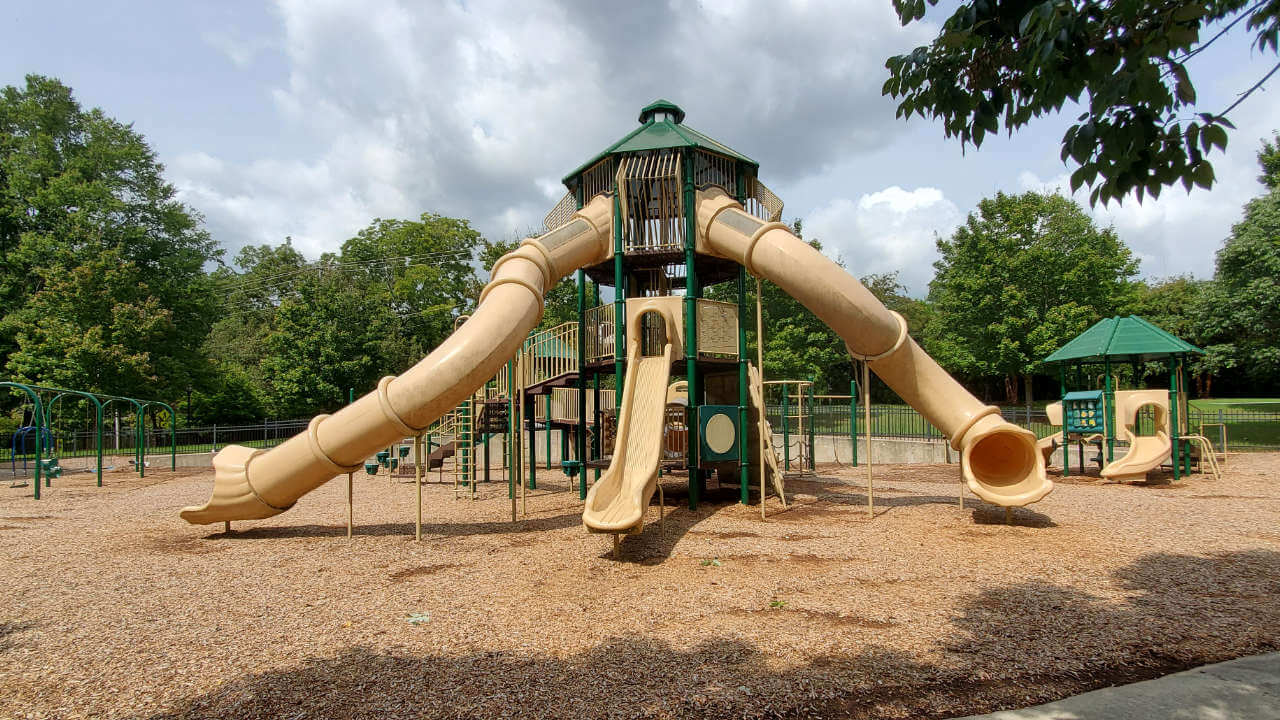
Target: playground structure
[[44, 401], [1152, 424], [659, 216]]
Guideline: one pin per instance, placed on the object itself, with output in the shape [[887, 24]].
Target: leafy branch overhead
[[998, 65]]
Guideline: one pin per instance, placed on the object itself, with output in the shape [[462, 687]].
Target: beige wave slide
[[617, 501], [1146, 452], [999, 460]]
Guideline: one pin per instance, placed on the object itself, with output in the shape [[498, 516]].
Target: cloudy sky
[[308, 118]]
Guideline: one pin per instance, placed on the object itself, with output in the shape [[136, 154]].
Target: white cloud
[[241, 51], [892, 230], [476, 109]]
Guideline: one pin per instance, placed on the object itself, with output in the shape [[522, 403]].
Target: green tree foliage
[[327, 335], [102, 280], [300, 334], [1269, 159], [797, 345], [1240, 314], [1021, 277], [1173, 304], [893, 295], [997, 65], [422, 270]]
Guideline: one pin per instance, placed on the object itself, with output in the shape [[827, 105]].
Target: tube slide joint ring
[[313, 442], [755, 238], [537, 294], [968, 424], [897, 344], [384, 403]]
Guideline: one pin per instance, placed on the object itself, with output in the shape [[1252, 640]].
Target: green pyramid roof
[[654, 134], [1122, 338]]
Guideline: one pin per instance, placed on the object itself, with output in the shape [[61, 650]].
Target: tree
[[1174, 304], [422, 269], [1269, 159], [1020, 278], [997, 65], [893, 295], [102, 284], [327, 335], [797, 345], [1240, 314]]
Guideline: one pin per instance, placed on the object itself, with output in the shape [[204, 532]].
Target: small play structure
[[1151, 424], [655, 219], [41, 440]]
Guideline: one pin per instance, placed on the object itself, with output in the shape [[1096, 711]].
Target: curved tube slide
[[251, 484], [999, 460]]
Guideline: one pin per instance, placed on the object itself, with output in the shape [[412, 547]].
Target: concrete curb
[[1244, 689]]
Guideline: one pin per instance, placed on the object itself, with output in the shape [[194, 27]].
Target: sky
[[307, 119]]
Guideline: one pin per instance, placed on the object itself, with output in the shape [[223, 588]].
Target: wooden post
[[866, 409], [417, 476]]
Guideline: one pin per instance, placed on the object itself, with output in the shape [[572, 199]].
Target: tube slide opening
[[1002, 458], [1003, 466]]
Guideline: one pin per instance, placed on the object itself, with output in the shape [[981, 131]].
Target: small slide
[[617, 501], [1146, 452]]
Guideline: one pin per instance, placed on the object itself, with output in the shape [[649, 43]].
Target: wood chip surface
[[114, 607]]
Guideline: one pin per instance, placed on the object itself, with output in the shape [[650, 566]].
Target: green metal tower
[[652, 175]]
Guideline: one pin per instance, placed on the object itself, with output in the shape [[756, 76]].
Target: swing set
[[41, 426]]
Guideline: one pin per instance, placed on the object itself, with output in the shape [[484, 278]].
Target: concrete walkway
[[1244, 689]]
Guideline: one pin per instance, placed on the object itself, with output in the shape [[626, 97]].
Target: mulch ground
[[114, 607]]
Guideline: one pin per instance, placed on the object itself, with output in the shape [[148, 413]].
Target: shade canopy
[[662, 126], [1122, 339]]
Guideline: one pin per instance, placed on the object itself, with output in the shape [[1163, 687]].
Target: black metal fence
[[1243, 430], [124, 441]]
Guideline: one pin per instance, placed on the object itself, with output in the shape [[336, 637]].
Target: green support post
[[142, 441], [744, 467], [1062, 394], [173, 434], [1174, 446], [533, 444], [546, 425], [691, 291], [619, 305], [581, 439], [813, 419], [853, 419], [1109, 395]]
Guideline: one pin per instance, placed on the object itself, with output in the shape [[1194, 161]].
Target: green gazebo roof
[[662, 126], [1122, 338]]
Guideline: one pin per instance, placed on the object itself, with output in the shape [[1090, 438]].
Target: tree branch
[[1223, 31], [1250, 91]]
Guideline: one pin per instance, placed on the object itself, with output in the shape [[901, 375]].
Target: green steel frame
[[100, 402]]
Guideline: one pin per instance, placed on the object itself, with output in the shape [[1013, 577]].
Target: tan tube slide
[[252, 484], [999, 460]]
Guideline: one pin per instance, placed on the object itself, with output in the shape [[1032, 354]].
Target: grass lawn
[[1266, 404]]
